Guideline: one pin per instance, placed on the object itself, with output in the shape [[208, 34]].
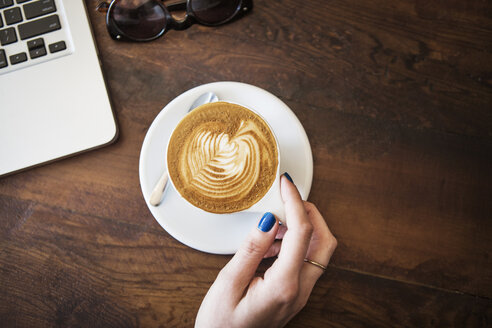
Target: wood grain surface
[[396, 99]]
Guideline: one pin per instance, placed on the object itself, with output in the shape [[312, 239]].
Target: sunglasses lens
[[213, 12], [139, 19]]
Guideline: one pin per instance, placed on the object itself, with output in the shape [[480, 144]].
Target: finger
[[323, 243], [281, 232], [274, 249], [296, 239], [242, 267], [320, 250]]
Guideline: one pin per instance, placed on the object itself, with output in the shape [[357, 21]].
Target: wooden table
[[396, 99]]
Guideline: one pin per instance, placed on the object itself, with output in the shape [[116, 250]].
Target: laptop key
[[39, 8], [3, 59], [12, 16], [22, 1], [36, 43], [37, 52], [57, 46], [1, 23], [6, 3], [18, 58], [38, 27], [7, 36]]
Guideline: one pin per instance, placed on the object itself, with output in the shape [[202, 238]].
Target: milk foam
[[222, 157], [222, 166]]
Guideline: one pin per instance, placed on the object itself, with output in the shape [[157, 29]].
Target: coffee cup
[[224, 158]]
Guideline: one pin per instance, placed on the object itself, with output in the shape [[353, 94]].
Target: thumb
[[242, 267]]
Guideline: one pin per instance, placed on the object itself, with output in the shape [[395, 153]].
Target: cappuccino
[[222, 157]]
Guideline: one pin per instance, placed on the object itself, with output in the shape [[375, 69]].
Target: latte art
[[222, 158], [224, 167]]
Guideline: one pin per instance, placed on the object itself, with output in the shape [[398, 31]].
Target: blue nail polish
[[267, 222], [288, 177]]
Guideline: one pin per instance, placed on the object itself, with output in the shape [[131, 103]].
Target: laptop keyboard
[[31, 32]]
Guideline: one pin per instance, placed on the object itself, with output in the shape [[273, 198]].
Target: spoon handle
[[156, 195]]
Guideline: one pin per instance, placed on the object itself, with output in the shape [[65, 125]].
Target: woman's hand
[[239, 299]]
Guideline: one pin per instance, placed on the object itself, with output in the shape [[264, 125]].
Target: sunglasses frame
[[190, 18]]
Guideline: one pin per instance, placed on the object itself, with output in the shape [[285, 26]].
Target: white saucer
[[220, 233]]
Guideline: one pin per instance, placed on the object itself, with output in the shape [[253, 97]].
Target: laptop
[[53, 98]]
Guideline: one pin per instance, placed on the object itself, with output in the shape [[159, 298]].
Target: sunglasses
[[146, 20]]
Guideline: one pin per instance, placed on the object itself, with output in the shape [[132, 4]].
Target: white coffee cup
[[271, 200]]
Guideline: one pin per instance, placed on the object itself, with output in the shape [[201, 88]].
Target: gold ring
[[319, 265]]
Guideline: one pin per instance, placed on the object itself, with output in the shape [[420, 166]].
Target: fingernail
[[288, 177], [267, 222]]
